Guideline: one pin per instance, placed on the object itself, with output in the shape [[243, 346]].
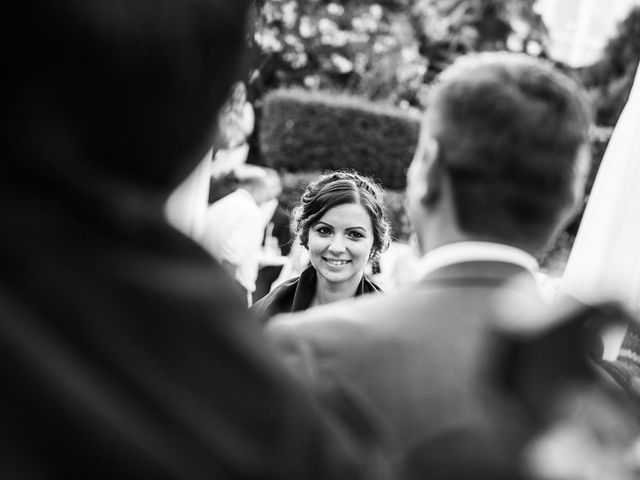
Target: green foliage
[[293, 185], [623, 50], [307, 131], [610, 79], [356, 46], [394, 201], [448, 29], [385, 50]]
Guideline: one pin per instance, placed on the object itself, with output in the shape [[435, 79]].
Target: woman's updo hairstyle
[[340, 188]]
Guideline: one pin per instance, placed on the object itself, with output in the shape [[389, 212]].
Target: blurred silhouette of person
[[187, 205], [498, 171], [235, 125], [235, 224], [341, 223], [123, 348]]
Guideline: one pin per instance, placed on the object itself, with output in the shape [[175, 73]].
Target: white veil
[[605, 259]]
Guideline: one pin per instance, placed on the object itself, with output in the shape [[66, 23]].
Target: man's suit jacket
[[430, 357]]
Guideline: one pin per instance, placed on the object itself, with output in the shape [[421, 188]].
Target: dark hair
[[338, 188], [510, 129], [135, 86]]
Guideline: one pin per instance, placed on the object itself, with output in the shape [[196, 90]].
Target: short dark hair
[[510, 130], [136, 86], [339, 188]]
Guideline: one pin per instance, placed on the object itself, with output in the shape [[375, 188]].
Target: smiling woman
[[341, 222], [340, 245]]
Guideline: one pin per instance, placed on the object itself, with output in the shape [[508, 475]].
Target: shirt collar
[[461, 252]]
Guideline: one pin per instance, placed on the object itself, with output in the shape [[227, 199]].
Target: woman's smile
[[340, 244], [336, 262]]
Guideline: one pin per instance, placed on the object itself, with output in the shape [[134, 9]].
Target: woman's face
[[340, 243]]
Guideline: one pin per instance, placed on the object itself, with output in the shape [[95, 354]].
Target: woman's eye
[[323, 230], [356, 235]]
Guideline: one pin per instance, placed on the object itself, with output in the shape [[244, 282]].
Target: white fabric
[[605, 259], [460, 252], [228, 159], [185, 209], [268, 209], [234, 226]]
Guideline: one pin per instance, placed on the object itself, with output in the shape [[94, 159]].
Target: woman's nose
[[337, 244]]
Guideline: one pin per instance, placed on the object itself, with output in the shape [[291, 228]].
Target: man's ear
[[434, 172], [576, 205]]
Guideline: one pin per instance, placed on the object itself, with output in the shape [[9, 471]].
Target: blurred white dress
[[605, 259]]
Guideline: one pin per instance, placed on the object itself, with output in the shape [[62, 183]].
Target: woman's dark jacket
[[297, 294]]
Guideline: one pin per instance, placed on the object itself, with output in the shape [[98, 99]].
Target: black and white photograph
[[320, 240]]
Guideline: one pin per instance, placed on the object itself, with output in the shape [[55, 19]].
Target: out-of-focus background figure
[[235, 126], [188, 203], [235, 223]]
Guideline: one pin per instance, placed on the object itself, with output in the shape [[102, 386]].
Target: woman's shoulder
[[369, 286], [278, 300]]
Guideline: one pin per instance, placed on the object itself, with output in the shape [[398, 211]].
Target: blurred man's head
[[133, 88], [503, 152]]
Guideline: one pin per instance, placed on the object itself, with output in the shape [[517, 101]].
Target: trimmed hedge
[[306, 131]]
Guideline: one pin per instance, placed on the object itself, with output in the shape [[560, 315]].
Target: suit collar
[[472, 252], [478, 272]]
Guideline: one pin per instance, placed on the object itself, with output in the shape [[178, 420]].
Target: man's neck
[[473, 252], [433, 240]]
